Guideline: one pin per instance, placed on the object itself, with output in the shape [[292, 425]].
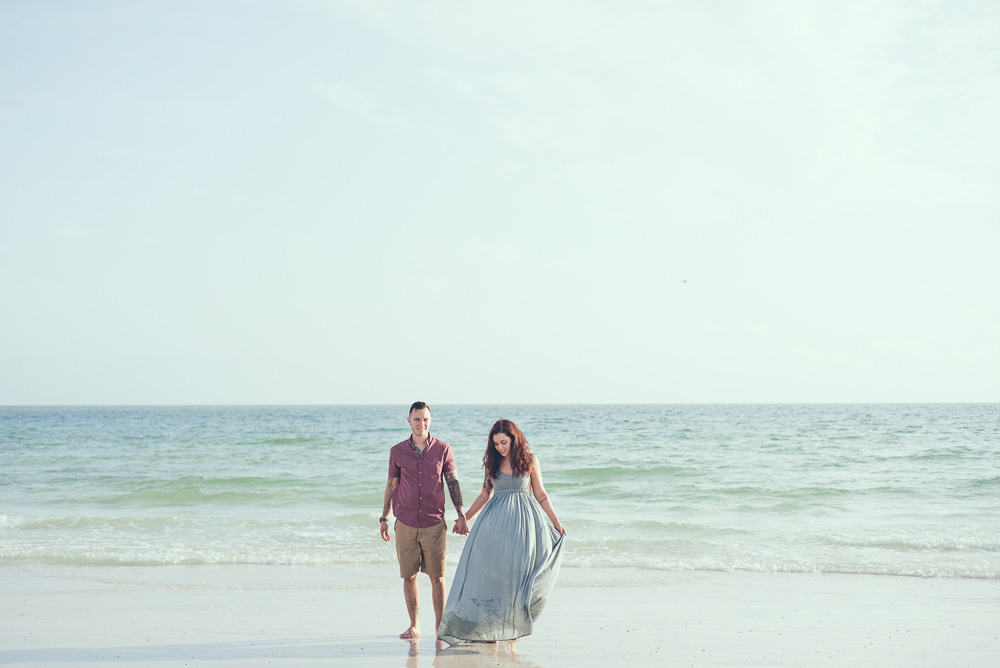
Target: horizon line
[[608, 403]]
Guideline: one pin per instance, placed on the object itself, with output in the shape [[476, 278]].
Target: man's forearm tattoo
[[451, 479], [388, 498]]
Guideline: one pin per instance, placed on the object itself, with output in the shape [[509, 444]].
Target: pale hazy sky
[[510, 202]]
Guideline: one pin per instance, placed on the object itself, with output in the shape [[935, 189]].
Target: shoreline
[[309, 616]]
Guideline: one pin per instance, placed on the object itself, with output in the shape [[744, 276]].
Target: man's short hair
[[418, 406]]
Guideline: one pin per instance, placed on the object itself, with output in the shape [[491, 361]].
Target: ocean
[[896, 490]]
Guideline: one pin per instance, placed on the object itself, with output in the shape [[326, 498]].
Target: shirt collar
[[427, 444]]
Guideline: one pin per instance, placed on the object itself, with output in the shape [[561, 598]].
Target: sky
[[356, 202]]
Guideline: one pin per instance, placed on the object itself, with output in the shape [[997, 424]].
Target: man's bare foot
[[412, 632]]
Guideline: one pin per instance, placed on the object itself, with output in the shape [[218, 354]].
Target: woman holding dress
[[512, 556]]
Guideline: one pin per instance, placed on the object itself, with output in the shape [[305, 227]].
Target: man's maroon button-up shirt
[[419, 498]]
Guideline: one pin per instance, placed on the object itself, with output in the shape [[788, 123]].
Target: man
[[415, 495]]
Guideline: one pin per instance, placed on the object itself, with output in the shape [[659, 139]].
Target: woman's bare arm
[[542, 497], [481, 500]]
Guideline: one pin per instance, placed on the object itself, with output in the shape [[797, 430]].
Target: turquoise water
[[878, 489]]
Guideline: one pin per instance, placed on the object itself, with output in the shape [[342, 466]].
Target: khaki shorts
[[421, 549]]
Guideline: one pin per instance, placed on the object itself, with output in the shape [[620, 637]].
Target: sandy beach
[[350, 616]]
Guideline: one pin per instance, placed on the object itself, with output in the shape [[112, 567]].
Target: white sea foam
[[11, 521]]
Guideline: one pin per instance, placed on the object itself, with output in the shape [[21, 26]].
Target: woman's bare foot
[[412, 632]]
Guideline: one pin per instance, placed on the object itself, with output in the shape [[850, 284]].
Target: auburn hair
[[519, 453]]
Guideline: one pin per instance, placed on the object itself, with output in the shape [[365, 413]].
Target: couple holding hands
[[512, 555]]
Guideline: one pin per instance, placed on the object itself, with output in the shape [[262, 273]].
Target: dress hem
[[461, 641]]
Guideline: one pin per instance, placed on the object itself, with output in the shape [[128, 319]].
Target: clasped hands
[[461, 527]]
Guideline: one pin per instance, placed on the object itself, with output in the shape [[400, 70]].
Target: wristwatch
[[383, 519]]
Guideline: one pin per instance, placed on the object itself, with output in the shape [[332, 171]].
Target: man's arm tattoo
[[451, 479], [389, 488]]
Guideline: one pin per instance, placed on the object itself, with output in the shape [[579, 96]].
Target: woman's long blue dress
[[508, 568]]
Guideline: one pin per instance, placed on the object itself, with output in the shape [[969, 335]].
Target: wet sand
[[351, 616]]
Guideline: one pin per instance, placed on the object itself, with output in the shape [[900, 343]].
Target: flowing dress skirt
[[507, 570]]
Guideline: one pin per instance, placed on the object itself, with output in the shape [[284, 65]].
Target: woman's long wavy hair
[[519, 453]]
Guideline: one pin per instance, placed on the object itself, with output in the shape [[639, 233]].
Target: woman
[[512, 556]]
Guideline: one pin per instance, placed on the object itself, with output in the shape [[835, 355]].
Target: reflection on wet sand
[[468, 655]]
